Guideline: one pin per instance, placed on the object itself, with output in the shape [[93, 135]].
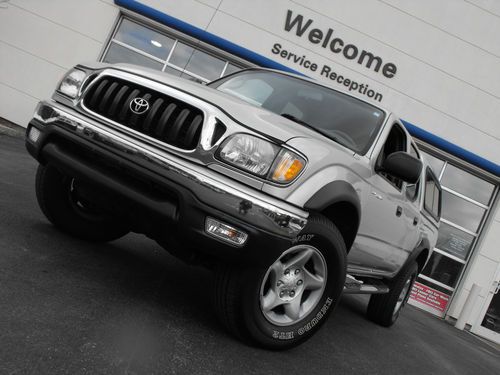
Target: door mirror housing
[[403, 166]]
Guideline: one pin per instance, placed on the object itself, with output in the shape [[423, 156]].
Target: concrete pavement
[[67, 306]]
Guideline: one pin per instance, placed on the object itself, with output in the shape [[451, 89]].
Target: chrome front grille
[[157, 115]]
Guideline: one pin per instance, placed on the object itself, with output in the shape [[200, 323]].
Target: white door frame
[[477, 328]]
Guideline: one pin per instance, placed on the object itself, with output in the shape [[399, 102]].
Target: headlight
[[262, 158], [72, 82], [250, 153]]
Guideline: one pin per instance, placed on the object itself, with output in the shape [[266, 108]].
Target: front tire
[[57, 197], [384, 309], [281, 305]]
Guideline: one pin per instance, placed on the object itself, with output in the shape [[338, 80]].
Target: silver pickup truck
[[293, 192]]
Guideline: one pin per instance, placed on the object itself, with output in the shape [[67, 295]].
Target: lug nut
[[279, 283], [300, 282], [282, 294], [297, 271], [287, 271], [292, 293]]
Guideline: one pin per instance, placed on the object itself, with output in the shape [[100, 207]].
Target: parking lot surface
[[128, 307]]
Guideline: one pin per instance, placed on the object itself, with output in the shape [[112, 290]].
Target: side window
[[396, 141], [432, 195], [412, 190]]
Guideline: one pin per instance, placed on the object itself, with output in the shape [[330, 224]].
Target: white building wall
[[39, 41]]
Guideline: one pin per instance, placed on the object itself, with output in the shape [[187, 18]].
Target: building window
[[138, 44], [466, 201]]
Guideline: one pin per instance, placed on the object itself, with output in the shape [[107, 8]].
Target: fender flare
[[343, 193], [331, 193], [424, 245]]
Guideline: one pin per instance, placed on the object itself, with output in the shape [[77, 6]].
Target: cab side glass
[[412, 190], [432, 195]]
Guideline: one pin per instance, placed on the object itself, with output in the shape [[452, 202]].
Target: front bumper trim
[[233, 198]]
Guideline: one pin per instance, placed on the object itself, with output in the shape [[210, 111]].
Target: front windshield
[[340, 117]]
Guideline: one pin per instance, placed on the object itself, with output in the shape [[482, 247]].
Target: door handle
[[399, 211], [415, 220]]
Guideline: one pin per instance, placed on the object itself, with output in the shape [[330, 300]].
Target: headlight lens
[[71, 83], [262, 158], [250, 153]]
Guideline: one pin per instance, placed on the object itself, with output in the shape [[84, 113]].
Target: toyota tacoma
[[291, 191]]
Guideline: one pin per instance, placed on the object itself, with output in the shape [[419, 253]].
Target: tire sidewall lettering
[[303, 238], [289, 335]]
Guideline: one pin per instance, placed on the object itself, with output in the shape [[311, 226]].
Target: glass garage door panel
[[462, 212], [197, 62], [454, 241], [443, 269], [231, 69], [465, 203], [145, 39], [119, 54], [205, 65], [467, 184], [435, 163], [138, 44]]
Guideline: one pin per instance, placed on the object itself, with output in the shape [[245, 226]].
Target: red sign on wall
[[430, 297]]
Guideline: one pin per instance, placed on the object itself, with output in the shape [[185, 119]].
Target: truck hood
[[261, 120]]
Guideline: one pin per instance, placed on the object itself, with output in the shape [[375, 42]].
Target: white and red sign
[[429, 299]]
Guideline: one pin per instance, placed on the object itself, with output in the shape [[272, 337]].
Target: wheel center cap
[[290, 284]]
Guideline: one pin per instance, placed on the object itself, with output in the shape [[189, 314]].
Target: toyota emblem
[[139, 106]]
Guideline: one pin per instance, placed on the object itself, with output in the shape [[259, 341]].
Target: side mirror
[[403, 166]]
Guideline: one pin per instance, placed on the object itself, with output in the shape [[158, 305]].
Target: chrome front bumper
[[226, 195]]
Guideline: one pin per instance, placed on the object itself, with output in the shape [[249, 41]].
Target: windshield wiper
[[296, 119], [302, 122]]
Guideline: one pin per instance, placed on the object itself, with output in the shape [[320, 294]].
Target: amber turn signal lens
[[287, 167]]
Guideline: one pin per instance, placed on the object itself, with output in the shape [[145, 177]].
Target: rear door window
[[413, 189], [432, 195]]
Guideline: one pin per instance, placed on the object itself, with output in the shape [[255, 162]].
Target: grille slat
[[194, 130], [173, 132], [117, 101], [97, 94], [152, 115], [164, 118], [108, 94]]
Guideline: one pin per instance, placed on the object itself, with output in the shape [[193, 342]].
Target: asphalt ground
[[128, 307]]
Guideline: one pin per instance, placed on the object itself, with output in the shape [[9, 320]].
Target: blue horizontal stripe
[[260, 60], [452, 149]]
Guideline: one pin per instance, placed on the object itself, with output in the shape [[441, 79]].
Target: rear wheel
[[280, 305], [384, 309], [58, 197]]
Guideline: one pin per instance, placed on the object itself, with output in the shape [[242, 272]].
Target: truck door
[[381, 244]]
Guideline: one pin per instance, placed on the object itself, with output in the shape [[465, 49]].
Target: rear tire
[[57, 198], [384, 309], [304, 284]]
